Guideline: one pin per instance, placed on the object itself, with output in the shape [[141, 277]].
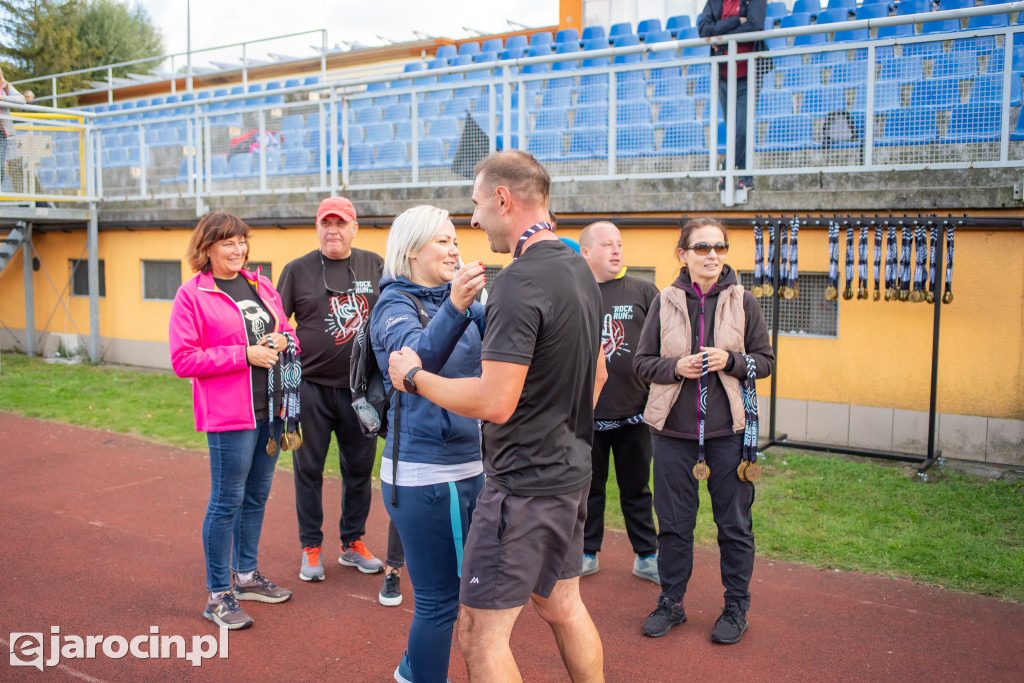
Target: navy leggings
[[433, 522]]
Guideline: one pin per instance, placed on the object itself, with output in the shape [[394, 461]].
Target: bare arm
[[493, 396], [602, 375]]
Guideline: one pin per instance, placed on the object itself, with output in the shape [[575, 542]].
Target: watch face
[[409, 384]]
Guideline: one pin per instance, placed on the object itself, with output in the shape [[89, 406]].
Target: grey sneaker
[[260, 589], [661, 620], [390, 593], [730, 626], [647, 568], [590, 565], [311, 569], [355, 554], [224, 610]]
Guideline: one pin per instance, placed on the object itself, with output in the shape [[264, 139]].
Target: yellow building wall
[[881, 357]]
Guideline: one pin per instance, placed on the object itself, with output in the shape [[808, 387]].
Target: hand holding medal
[[701, 471]]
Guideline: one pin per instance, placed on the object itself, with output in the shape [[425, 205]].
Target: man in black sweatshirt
[[618, 418]]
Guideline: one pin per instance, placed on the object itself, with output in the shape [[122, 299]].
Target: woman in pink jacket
[[227, 332]]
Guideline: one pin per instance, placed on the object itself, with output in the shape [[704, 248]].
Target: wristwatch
[[408, 382]]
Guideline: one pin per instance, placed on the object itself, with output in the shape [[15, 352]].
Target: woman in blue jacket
[[430, 492]]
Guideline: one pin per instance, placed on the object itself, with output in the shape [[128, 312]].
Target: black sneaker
[[390, 593], [661, 620], [730, 626]]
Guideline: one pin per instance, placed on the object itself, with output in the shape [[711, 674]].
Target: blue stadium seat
[[557, 98], [381, 101], [469, 48], [872, 11], [646, 27], [960, 64], [909, 126], [630, 90], [540, 38], [802, 77], [955, 4], [482, 57], [355, 133], [545, 145], [396, 112], [974, 123], [682, 21], [517, 42], [634, 141], [377, 133], [444, 128], [376, 86], [810, 39], [901, 69], [936, 93], [774, 103], [989, 88], [431, 154], [456, 107], [621, 29], [47, 178], [991, 21], [437, 63], [512, 53], [787, 134], [848, 72], [403, 130], [679, 109], [360, 156], [363, 116], [822, 101], [810, 7], [446, 52], [492, 45], [833, 16], [685, 137], [591, 116], [588, 144], [1018, 131], [895, 31], [428, 109], [887, 97], [392, 155], [849, 5], [591, 32], [551, 119], [567, 35], [946, 26], [633, 113], [292, 121], [241, 165], [906, 7], [852, 36], [795, 18], [627, 41]]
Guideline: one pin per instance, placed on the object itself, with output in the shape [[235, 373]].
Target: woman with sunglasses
[[430, 488], [704, 317]]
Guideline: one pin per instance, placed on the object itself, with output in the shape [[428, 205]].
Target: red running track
[[101, 536]]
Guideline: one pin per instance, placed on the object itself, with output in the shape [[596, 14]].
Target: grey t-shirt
[[544, 311]]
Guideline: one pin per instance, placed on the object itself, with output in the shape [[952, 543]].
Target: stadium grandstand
[[869, 116]]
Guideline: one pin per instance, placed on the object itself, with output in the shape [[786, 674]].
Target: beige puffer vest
[[675, 343]]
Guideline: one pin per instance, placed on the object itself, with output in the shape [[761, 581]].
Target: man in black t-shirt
[[331, 291], [618, 418], [541, 375]]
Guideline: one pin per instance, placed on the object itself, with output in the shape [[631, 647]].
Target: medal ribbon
[[291, 375], [783, 258], [527, 235], [770, 266], [750, 432], [702, 405], [904, 284], [878, 260], [948, 295], [833, 254], [848, 293], [791, 278], [891, 251], [920, 257], [933, 257], [862, 263], [758, 254]]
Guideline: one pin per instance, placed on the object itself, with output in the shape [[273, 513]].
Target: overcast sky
[[217, 22]]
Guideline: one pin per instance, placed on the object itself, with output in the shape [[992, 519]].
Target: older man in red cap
[[331, 291]]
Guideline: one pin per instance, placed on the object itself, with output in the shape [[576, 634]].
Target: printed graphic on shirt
[[347, 314], [613, 331], [256, 316]]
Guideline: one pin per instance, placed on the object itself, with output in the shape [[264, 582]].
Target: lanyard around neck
[[527, 235]]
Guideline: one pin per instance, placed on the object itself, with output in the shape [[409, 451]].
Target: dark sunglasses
[[703, 248]]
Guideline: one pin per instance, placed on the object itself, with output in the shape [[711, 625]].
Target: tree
[[44, 37]]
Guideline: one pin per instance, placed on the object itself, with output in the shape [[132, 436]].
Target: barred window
[[160, 280], [265, 265], [808, 315], [80, 277]]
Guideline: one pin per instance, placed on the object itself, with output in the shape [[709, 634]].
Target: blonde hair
[[412, 230]]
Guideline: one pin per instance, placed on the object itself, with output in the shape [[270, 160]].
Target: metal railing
[[924, 101]]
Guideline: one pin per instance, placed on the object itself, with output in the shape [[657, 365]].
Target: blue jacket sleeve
[[395, 323], [711, 25]]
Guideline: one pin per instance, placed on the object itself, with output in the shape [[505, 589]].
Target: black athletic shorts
[[520, 545]]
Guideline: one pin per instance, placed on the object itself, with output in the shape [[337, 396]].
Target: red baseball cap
[[336, 206]]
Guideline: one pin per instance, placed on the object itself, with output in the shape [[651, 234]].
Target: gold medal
[[904, 295], [888, 295], [271, 447], [290, 441], [756, 291], [947, 298], [916, 296], [930, 297], [767, 290], [796, 291], [753, 472], [848, 293], [788, 293], [877, 295], [701, 471], [741, 470], [831, 293]]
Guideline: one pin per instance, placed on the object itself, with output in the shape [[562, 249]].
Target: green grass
[[960, 532]]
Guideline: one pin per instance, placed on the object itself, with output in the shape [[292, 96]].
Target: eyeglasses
[[323, 269], [703, 248]]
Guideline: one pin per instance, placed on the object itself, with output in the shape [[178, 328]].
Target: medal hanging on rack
[[947, 296], [848, 292], [791, 290], [832, 290], [891, 252], [862, 263], [920, 263], [933, 255], [878, 263], [701, 470], [783, 258], [758, 287], [905, 252], [769, 273], [749, 469]]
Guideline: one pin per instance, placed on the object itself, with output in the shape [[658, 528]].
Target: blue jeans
[[433, 522], [241, 473]]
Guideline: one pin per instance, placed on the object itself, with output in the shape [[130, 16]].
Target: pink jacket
[[208, 343]]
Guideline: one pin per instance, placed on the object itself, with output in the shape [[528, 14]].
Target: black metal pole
[[937, 304], [776, 281]]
